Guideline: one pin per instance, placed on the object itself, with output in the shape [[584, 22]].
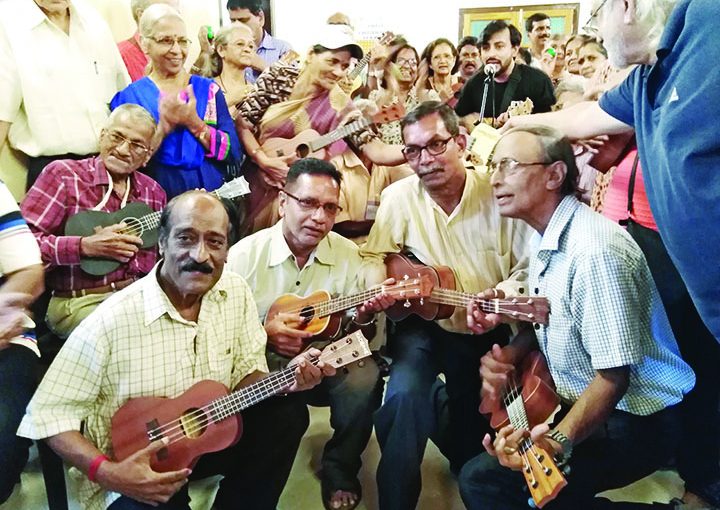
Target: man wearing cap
[[289, 100]]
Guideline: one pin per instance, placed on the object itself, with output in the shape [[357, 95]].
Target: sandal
[[329, 492]]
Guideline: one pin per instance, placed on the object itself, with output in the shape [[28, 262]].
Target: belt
[[112, 287]]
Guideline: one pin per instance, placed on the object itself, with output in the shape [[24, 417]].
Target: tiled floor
[[303, 489]]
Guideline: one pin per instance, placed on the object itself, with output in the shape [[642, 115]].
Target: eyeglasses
[[434, 148], [310, 204], [509, 166], [406, 62], [136, 148], [590, 25], [169, 41]]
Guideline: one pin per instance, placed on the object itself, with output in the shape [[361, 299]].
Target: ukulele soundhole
[[194, 423], [302, 150], [134, 227], [307, 314]]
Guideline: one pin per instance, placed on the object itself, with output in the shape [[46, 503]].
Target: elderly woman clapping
[[197, 140]]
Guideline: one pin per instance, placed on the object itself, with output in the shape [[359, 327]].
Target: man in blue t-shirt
[[673, 108]]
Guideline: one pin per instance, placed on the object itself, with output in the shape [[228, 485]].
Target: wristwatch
[[564, 442]]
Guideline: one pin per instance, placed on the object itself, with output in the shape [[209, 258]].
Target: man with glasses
[[674, 112], [608, 343], [442, 215], [104, 183], [300, 255]]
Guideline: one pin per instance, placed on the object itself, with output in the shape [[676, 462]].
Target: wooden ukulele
[[385, 39], [444, 298], [206, 417], [320, 312], [531, 403], [484, 137], [141, 221], [309, 143]]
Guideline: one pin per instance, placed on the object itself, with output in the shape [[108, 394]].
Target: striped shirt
[[605, 311], [65, 188], [136, 344]]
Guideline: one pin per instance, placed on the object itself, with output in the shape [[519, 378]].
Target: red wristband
[[94, 466]]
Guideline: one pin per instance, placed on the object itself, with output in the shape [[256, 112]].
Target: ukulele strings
[[138, 226], [461, 300], [518, 418], [326, 307], [175, 430]]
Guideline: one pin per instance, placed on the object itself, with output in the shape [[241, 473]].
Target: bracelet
[[94, 466], [362, 324], [564, 442]]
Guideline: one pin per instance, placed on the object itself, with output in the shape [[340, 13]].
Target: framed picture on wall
[[563, 18]]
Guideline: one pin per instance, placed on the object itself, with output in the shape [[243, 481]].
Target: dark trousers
[[255, 469], [353, 396], [420, 350], [699, 410], [17, 385], [625, 449], [37, 164]]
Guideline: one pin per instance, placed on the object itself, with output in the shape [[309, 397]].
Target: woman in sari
[[289, 100], [196, 141]]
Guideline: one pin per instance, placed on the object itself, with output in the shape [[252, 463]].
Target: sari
[[286, 118], [181, 163]]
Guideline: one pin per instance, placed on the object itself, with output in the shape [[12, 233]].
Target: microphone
[[491, 69]]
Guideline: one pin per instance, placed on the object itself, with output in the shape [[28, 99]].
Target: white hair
[[153, 14], [136, 113], [653, 14]]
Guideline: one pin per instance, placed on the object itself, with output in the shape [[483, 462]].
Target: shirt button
[[297, 283], [521, 290], [537, 291], [537, 326]]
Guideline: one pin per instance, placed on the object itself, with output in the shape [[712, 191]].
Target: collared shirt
[[270, 50], [361, 189], [65, 188], [136, 344], [483, 249], [56, 87], [267, 264], [605, 311], [135, 59], [674, 111]]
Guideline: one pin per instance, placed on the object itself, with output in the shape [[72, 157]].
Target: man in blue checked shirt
[[608, 344]]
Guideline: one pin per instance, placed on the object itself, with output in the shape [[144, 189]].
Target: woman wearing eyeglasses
[[399, 86], [196, 141]]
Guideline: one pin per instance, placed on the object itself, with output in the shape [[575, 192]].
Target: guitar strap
[[106, 197]]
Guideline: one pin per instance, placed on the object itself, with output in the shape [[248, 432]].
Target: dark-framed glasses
[[168, 41], [434, 148], [311, 204], [510, 166], [135, 147]]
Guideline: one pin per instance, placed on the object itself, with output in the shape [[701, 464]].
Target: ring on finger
[[509, 450]]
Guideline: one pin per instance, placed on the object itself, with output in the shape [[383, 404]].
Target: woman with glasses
[[196, 140], [234, 53], [399, 87]]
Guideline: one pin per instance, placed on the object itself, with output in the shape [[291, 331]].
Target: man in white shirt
[[60, 68]]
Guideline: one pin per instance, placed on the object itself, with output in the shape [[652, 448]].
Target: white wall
[[420, 21]]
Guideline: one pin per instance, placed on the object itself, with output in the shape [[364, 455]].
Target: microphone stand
[[488, 79]]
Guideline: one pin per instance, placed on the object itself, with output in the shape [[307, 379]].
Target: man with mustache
[[187, 321], [469, 57], [104, 183], [300, 254], [537, 28], [443, 215], [499, 45]]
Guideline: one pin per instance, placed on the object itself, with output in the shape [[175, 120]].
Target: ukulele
[[309, 143], [141, 221], [444, 298], [484, 136], [385, 39], [533, 402], [206, 417], [319, 312]]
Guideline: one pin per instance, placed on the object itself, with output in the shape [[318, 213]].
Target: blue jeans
[[17, 385], [353, 396], [420, 350], [625, 449]]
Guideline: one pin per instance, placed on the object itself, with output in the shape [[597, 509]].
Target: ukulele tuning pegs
[[406, 304], [566, 470], [406, 277], [531, 316], [531, 503], [355, 354]]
